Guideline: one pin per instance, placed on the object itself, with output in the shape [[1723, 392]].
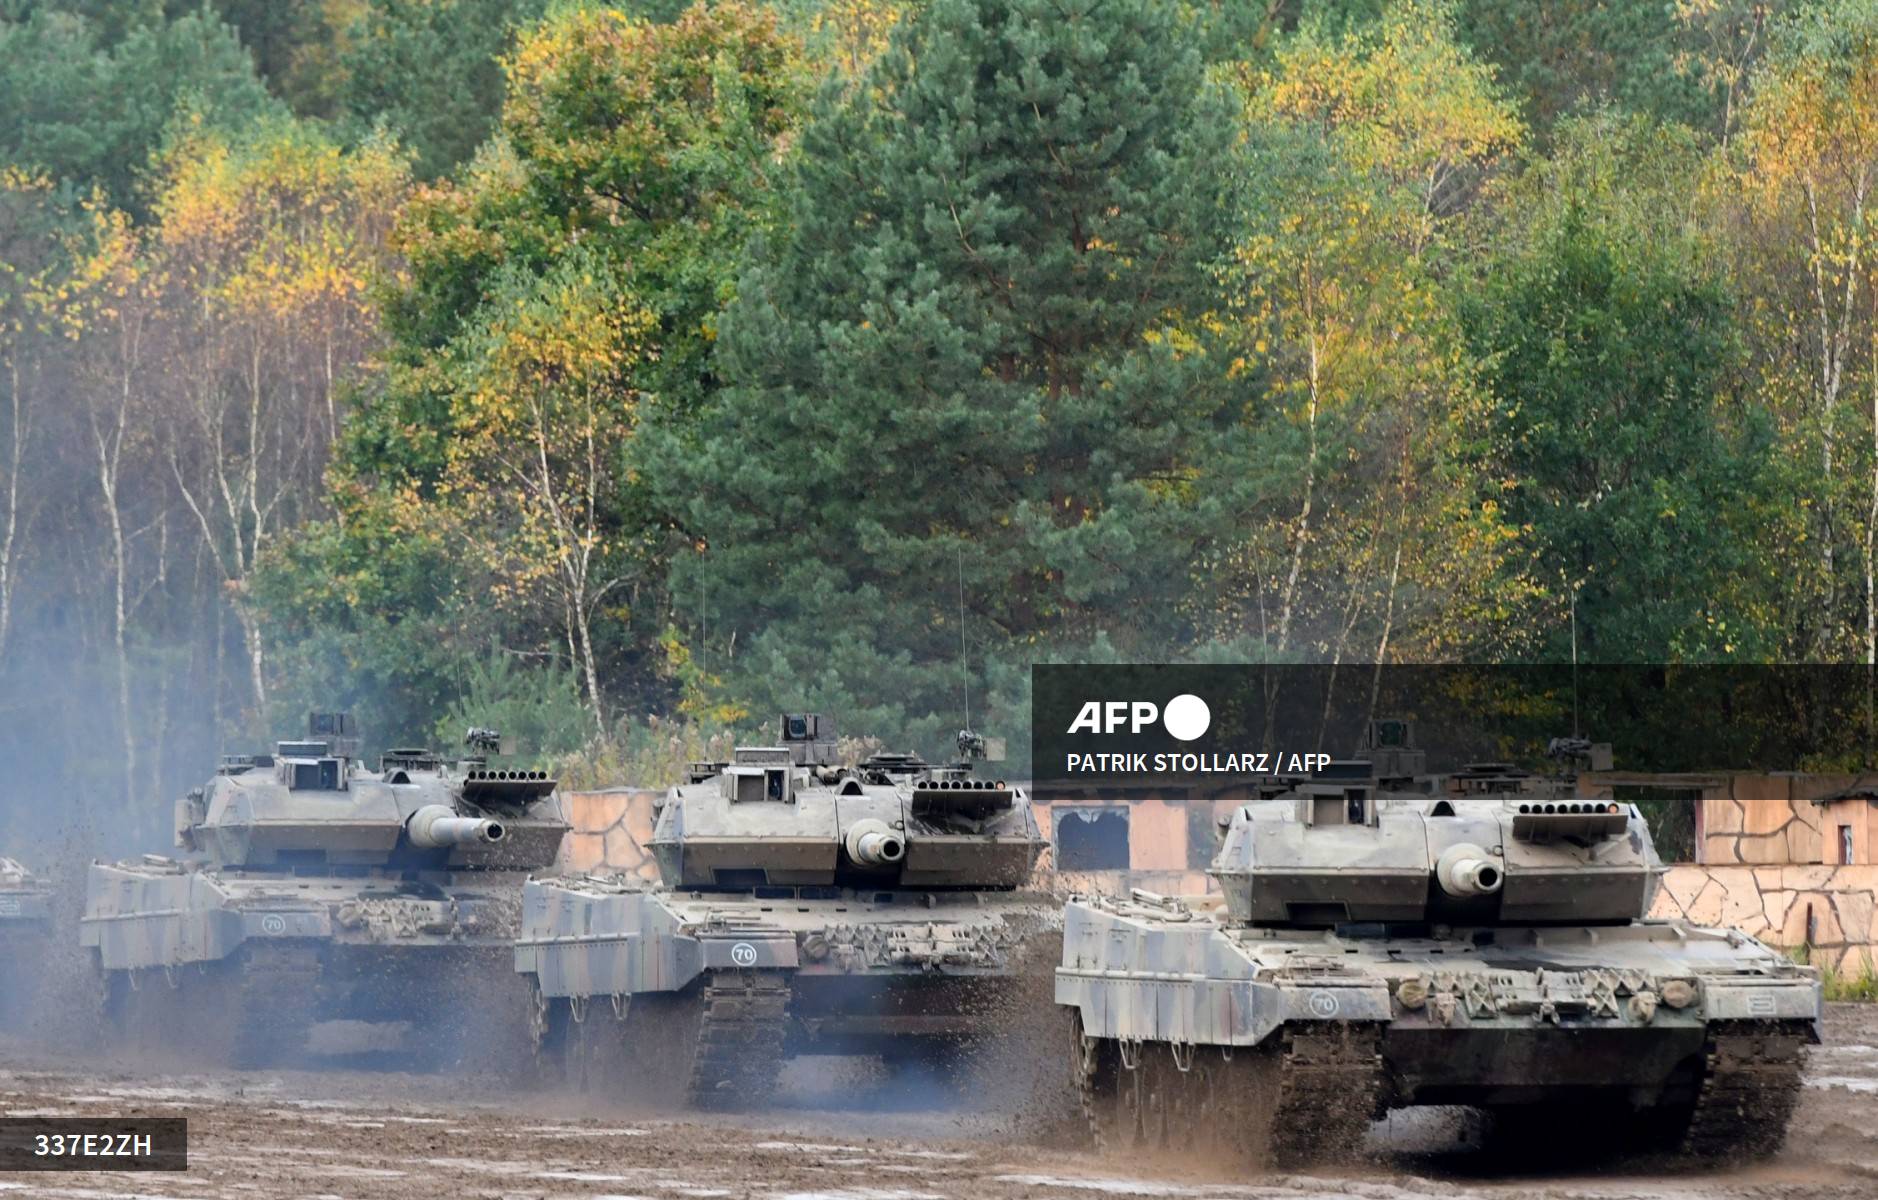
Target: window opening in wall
[[1671, 815], [1845, 843], [1203, 834], [1091, 839]]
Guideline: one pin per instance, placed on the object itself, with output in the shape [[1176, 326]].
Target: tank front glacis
[[805, 907], [313, 889], [1478, 940]]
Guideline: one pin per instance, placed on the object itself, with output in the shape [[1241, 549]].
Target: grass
[[1845, 985]]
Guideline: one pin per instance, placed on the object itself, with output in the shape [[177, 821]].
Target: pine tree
[[978, 363]]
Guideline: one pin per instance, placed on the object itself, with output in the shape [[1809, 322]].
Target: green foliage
[[431, 71], [977, 362], [536, 708], [1838, 985], [297, 47], [652, 754], [560, 293], [1614, 442], [1569, 56], [93, 113], [728, 351], [1364, 152]]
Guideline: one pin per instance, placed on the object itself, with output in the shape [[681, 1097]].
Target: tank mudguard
[[1166, 974], [136, 919], [623, 942]]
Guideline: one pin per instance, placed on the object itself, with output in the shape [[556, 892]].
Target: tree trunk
[[257, 676], [8, 578], [1388, 627], [1288, 601], [585, 628]]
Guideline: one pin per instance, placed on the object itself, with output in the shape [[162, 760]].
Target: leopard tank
[[803, 907], [1382, 939], [322, 908]]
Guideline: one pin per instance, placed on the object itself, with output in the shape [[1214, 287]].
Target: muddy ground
[[366, 1134]]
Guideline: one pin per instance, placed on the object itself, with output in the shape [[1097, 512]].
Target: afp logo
[[1186, 716]]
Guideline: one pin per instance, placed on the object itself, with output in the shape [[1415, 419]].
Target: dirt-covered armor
[[25, 930], [1383, 939], [316, 890], [805, 908]]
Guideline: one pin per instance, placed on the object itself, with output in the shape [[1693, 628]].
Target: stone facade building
[[1786, 858]]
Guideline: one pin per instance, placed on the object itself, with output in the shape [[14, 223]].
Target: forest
[[618, 374]]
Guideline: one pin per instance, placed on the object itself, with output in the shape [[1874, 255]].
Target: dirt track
[[350, 1134]]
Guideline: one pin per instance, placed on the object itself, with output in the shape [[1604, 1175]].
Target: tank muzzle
[[434, 827], [872, 843], [1466, 871]]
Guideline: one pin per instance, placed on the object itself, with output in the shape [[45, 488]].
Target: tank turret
[[790, 815], [312, 804], [1341, 845]]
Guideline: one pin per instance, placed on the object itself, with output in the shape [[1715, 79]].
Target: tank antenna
[[965, 673], [1575, 664]]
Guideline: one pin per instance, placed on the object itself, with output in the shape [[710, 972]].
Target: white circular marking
[[1187, 716], [273, 923], [743, 954], [1323, 1004]]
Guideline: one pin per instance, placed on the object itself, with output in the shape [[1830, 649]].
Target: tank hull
[[298, 968], [904, 975], [25, 937], [1629, 1019]]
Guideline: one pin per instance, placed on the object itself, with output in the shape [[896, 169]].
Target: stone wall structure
[[611, 829], [1831, 908], [1764, 819]]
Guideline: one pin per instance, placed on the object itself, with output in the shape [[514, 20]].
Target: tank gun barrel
[[1466, 871], [872, 843], [433, 827]]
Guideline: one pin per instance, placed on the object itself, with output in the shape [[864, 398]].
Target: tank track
[[1750, 1086], [1330, 1082], [1307, 1096], [743, 1016], [275, 1002]]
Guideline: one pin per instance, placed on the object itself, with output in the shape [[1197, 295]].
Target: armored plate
[[1177, 973], [600, 937]]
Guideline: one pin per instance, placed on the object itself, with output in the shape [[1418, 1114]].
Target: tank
[[803, 907], [323, 908], [25, 933], [1382, 939]]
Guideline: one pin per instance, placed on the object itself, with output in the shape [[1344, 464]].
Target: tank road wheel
[[114, 1008], [1112, 1093], [1126, 1126], [550, 1022], [130, 1007], [1193, 1103], [1301, 1097], [600, 1045], [1750, 1087]]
